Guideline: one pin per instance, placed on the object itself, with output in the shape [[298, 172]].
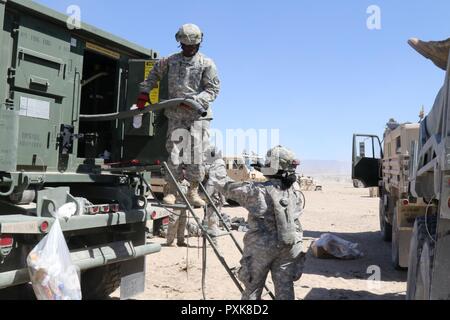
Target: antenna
[[422, 113]]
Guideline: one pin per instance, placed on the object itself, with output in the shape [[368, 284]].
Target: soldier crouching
[[274, 241]]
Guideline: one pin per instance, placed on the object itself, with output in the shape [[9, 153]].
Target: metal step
[[219, 235]]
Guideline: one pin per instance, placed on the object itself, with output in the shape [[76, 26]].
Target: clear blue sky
[[310, 68]]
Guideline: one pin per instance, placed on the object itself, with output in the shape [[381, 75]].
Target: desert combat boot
[[436, 51], [169, 194], [193, 196]]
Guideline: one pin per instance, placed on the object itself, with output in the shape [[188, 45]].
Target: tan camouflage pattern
[[189, 34], [194, 164], [280, 158], [218, 200], [194, 78], [263, 251], [211, 155], [191, 78], [177, 226], [178, 221]]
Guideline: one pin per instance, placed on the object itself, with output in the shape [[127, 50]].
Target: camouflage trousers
[[186, 142], [285, 264], [211, 215], [177, 227]]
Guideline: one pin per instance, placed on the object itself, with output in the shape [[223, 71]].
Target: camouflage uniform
[[219, 201], [177, 222], [193, 78], [263, 249], [177, 226], [211, 155]]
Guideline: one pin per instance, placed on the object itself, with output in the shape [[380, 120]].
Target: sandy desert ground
[[175, 273]]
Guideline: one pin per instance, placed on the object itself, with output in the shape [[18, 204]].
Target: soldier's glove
[[143, 99]]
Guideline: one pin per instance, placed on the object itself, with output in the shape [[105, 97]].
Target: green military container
[[52, 74]]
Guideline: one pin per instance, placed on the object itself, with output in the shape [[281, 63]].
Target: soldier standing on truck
[[275, 239], [191, 75]]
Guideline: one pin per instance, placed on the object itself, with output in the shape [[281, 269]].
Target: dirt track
[[175, 273]]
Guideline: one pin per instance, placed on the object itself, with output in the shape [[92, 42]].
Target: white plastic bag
[[330, 245], [52, 272]]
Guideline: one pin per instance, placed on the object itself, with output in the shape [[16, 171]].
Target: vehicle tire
[[421, 259], [385, 227], [395, 252], [303, 199], [99, 283]]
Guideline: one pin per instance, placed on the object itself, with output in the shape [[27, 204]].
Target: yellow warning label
[[102, 50], [154, 94]]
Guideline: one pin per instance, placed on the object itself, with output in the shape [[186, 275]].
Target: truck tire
[[385, 227], [395, 252], [99, 283], [421, 259]]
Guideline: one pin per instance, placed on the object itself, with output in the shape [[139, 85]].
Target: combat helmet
[[189, 34], [280, 159]]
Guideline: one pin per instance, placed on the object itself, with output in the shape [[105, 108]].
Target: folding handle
[[39, 81]]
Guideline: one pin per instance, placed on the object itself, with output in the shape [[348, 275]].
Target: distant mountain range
[[325, 168]]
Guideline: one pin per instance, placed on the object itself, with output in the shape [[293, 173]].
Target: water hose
[[173, 103]]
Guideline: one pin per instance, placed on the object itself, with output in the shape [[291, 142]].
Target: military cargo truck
[[387, 167], [429, 263], [53, 76]]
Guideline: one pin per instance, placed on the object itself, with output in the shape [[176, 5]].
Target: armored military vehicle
[[387, 168], [239, 168], [308, 184], [55, 77]]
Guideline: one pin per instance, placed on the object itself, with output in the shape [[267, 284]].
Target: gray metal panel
[[89, 258], [9, 131], [8, 223], [5, 51], [93, 31], [56, 177], [46, 67]]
